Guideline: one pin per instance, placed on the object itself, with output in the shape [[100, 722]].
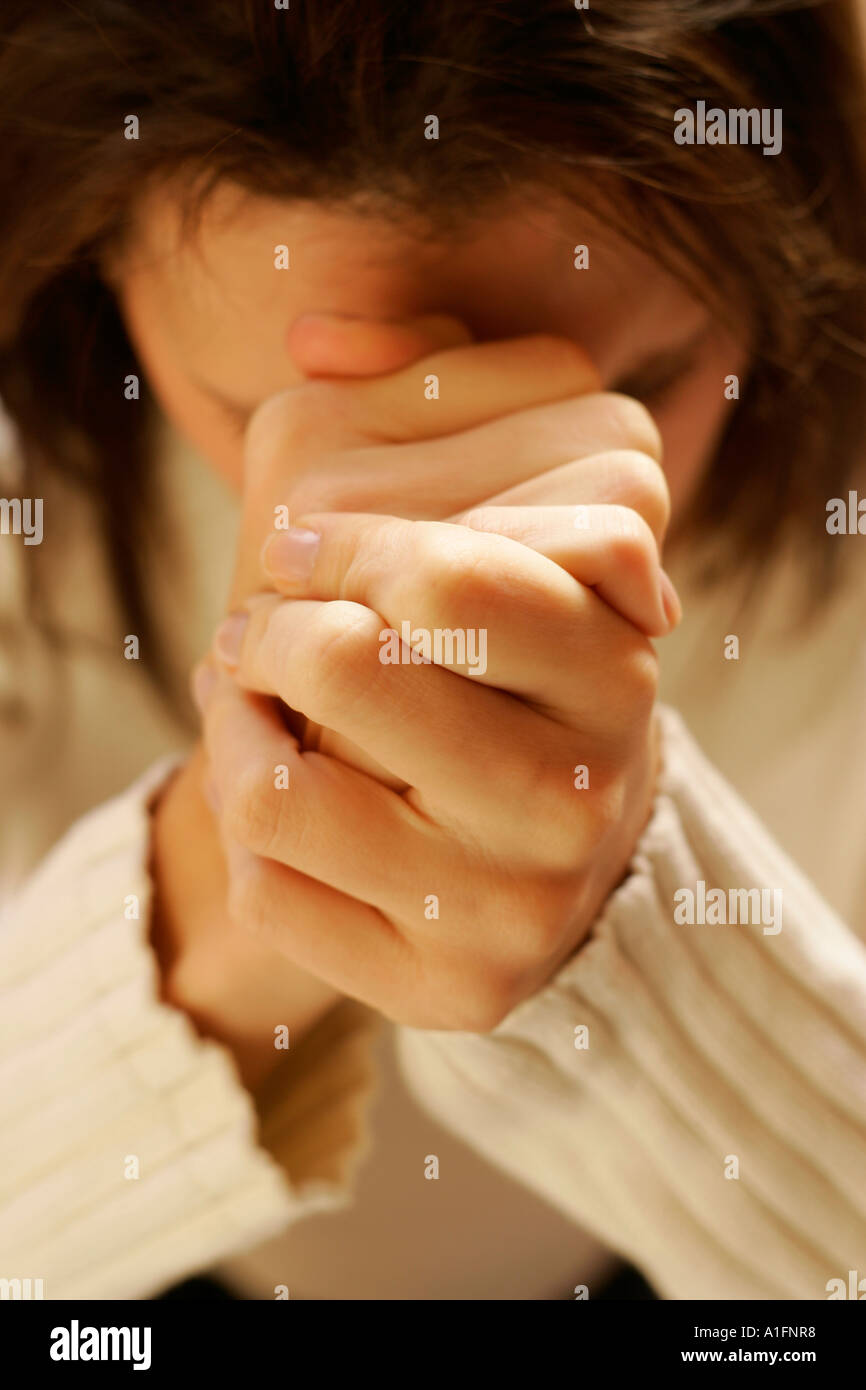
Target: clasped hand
[[438, 839]]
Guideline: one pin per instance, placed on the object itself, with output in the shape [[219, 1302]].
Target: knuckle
[[267, 425], [474, 996], [555, 813], [316, 490], [381, 553], [610, 805], [640, 670], [338, 651], [526, 917], [454, 577], [561, 845], [641, 485], [478, 518], [309, 493], [249, 809], [560, 357], [537, 929], [630, 694], [249, 902], [243, 899], [484, 1009], [631, 544], [288, 423], [631, 422], [554, 909], [487, 1016], [472, 582]]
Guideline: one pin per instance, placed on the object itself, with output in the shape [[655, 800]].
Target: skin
[[447, 512], [213, 313]]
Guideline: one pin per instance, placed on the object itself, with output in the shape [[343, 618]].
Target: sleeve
[[710, 1122], [131, 1156]]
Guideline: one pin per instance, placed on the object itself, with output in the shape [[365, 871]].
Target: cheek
[[691, 426], [195, 417], [202, 424], [218, 443]]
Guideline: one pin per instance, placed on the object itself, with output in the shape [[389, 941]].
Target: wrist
[[612, 863]]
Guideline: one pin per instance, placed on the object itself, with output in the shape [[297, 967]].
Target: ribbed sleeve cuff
[[129, 1152], [712, 1130]]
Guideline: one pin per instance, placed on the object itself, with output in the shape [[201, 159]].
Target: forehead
[[223, 292]]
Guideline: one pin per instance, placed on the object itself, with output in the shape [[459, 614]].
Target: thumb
[[341, 345]]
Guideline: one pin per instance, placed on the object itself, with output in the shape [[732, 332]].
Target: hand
[[531, 385], [470, 889], [522, 900], [233, 986]]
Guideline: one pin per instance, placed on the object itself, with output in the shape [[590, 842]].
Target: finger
[[321, 345], [548, 455], [619, 479], [478, 605], [609, 549], [598, 423], [450, 391], [600, 449], [337, 345], [359, 951], [352, 474], [484, 381], [429, 729], [422, 978], [317, 927], [347, 944], [308, 811]]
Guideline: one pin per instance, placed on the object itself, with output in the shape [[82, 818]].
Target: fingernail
[[290, 555], [202, 684], [671, 599], [229, 638]]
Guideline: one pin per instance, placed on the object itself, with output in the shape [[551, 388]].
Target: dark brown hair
[[328, 99]]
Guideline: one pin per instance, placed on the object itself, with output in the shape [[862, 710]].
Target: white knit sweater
[[714, 1129]]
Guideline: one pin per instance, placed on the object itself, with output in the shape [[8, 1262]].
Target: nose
[[349, 345]]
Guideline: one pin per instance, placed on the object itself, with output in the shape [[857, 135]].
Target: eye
[[653, 381]]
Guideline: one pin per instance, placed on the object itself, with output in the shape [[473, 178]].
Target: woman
[[334, 338]]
